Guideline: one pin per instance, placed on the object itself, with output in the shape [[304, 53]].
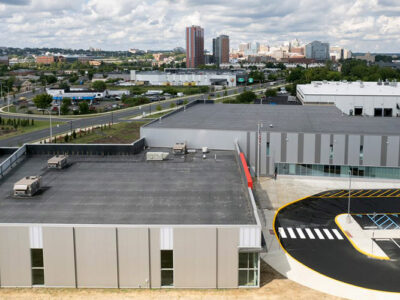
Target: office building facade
[[221, 49], [194, 46], [317, 50]]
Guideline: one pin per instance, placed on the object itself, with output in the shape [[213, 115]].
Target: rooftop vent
[[179, 148], [157, 156], [27, 186], [57, 162]]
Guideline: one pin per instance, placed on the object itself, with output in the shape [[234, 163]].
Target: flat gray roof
[[129, 190], [284, 118]]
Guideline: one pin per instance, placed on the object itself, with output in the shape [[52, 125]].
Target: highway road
[[307, 231], [115, 116]]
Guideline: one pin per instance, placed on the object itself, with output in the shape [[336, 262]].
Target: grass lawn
[[7, 131], [121, 133]]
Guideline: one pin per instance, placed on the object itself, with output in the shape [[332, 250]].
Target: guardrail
[[12, 160], [87, 149]]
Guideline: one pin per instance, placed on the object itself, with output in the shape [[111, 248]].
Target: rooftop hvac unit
[[157, 156], [204, 149], [179, 148], [27, 186], [57, 162]]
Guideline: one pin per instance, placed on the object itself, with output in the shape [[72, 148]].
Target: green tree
[[43, 101], [66, 103], [83, 108], [271, 92], [99, 86], [246, 97]]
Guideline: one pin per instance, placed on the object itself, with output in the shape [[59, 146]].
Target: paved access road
[[307, 231], [116, 116]]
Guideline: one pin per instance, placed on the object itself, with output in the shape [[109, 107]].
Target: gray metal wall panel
[[325, 143], [96, 257], [318, 144], [195, 257], [338, 149], [309, 148], [300, 148], [384, 144], [372, 150], [346, 149], [275, 148], [133, 257], [253, 151], [59, 257], [393, 151], [263, 154], [195, 138], [155, 258], [15, 257], [228, 257], [283, 147], [291, 147], [353, 156]]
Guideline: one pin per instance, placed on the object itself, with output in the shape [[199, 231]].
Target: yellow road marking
[[365, 193], [357, 193], [384, 193], [374, 193], [332, 196]]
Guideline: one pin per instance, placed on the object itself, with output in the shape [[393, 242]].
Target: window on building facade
[[37, 266], [268, 149], [167, 268], [361, 152], [248, 269], [378, 112]]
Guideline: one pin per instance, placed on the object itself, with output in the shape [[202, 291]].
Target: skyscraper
[[317, 50], [221, 49], [194, 46]]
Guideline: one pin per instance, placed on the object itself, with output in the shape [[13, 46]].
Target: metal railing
[[12, 160]]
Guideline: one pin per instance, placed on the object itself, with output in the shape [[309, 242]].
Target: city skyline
[[362, 26]]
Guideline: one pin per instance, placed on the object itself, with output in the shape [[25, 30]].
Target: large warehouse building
[[294, 140], [193, 77], [379, 99], [183, 222]]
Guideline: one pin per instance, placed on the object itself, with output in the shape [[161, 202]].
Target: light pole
[[51, 127], [259, 126], [348, 201]]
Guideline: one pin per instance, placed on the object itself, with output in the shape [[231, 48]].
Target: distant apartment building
[[4, 60], [367, 57], [221, 49], [159, 56], [194, 46], [47, 60], [317, 50]]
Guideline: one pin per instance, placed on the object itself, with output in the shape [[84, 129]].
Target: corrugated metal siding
[[166, 238], [36, 236], [250, 237]]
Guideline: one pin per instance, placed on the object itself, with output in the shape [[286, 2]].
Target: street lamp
[[51, 127], [348, 201]]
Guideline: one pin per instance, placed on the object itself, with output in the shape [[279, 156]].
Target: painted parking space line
[[319, 234], [310, 234], [282, 232], [291, 232], [300, 233], [328, 234], [338, 235]]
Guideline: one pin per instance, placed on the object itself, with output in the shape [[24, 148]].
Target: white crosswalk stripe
[[319, 234], [310, 234], [328, 234], [291, 232], [300, 233], [282, 232], [338, 235]]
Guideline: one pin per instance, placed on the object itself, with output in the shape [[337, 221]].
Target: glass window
[[167, 268], [248, 269], [37, 266]]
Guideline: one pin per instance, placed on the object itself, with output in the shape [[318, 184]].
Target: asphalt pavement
[[308, 232]]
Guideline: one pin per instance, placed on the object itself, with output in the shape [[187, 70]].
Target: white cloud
[[361, 25]]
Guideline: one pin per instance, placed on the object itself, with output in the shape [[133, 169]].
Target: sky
[[359, 25]]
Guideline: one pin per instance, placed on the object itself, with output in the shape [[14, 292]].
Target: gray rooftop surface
[[129, 190], [285, 118]]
